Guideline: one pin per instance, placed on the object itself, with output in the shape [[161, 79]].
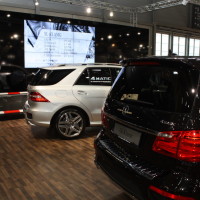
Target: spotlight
[[185, 2], [88, 10], [15, 36], [111, 14], [109, 37], [36, 3]]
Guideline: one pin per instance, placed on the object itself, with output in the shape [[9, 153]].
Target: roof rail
[[100, 64], [83, 64]]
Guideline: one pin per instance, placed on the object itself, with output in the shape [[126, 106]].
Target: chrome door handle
[[81, 92]]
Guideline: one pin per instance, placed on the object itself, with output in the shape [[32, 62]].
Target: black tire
[[70, 123]]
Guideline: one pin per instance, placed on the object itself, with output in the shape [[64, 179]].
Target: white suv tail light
[[37, 97]]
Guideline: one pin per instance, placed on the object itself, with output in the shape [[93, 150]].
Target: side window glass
[[83, 79], [4, 86], [100, 76], [12, 80], [17, 81]]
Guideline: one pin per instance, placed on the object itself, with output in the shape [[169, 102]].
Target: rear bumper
[[123, 176], [135, 176], [38, 116]]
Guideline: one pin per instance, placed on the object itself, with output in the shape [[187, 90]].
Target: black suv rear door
[[148, 98]]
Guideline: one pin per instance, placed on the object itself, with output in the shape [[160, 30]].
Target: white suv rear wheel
[[70, 123]]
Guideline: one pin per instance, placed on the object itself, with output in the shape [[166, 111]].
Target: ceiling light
[[185, 2], [193, 90], [8, 15], [109, 37], [69, 22], [36, 3], [88, 10], [139, 33], [15, 36], [111, 14]]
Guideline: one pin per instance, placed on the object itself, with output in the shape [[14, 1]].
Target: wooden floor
[[37, 165]]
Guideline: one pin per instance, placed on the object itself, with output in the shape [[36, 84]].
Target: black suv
[[13, 92], [150, 140]]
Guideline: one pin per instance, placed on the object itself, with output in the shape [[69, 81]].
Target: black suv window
[[98, 76], [159, 87], [49, 77], [12, 79]]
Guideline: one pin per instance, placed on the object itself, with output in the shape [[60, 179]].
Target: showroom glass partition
[[33, 41]]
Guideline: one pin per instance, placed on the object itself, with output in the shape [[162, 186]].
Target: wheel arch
[[73, 107]]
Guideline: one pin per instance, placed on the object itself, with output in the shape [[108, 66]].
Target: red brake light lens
[[104, 119], [189, 146], [37, 97], [183, 145], [167, 143], [144, 63], [169, 195]]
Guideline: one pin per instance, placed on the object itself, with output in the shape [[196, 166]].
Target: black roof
[[193, 62], [13, 67]]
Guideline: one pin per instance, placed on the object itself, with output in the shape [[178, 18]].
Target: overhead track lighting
[[124, 9]]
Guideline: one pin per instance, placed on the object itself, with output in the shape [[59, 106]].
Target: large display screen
[[51, 43]]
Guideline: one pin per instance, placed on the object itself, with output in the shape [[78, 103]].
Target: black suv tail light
[[104, 118], [169, 195], [36, 96], [182, 145]]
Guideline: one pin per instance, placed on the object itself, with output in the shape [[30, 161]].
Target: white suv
[[69, 98]]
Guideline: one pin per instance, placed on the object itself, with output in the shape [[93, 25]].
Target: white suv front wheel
[[70, 123]]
